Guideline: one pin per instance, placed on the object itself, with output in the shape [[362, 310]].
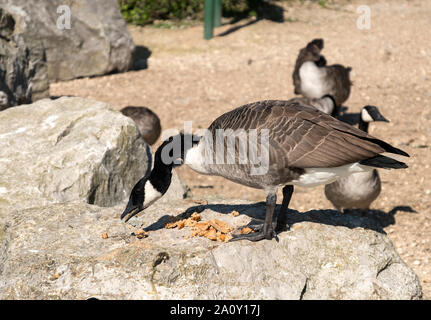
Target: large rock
[[97, 42], [57, 252], [69, 149], [23, 69]]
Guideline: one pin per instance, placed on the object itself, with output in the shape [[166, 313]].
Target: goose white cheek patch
[[366, 116], [151, 194]]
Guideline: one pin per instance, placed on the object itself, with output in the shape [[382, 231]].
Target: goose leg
[[282, 217], [268, 229]]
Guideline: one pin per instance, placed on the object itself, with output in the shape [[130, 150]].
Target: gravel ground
[[190, 79]]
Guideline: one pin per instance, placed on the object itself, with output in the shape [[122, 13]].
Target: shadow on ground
[[375, 220], [260, 9], [140, 58]]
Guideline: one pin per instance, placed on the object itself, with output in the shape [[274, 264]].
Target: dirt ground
[[191, 79]]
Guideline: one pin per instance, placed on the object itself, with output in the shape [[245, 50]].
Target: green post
[[209, 7], [217, 13]]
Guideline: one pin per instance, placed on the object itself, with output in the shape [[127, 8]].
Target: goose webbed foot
[[256, 236], [255, 225], [274, 221], [265, 230]]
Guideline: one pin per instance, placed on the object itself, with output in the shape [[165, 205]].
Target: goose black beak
[[130, 211], [381, 118]]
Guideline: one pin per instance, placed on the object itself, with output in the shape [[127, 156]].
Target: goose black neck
[[160, 176], [363, 125]]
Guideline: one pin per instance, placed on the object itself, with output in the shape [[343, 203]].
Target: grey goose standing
[[146, 120], [313, 78], [358, 190], [306, 147]]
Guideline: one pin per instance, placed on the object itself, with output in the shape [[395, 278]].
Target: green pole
[[209, 19], [217, 13]]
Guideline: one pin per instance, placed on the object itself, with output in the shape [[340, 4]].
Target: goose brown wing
[[303, 137]]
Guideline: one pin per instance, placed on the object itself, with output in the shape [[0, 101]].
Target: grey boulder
[[95, 42], [23, 69], [69, 149], [58, 252]]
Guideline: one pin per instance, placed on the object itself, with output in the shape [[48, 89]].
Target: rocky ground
[[190, 79]]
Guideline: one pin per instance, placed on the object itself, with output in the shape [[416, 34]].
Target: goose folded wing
[[315, 140], [301, 136]]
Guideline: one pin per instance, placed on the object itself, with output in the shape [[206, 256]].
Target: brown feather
[[301, 136]]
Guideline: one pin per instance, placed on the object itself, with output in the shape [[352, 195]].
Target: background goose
[[325, 104], [358, 190], [306, 147], [146, 120], [314, 79]]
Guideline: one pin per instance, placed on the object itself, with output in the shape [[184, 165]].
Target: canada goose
[[360, 189], [325, 104], [314, 79], [146, 120], [304, 147]]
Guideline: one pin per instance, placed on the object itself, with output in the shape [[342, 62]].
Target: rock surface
[[23, 69], [96, 43], [58, 252], [69, 149]]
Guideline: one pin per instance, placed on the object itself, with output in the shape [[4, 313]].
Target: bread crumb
[[189, 223], [246, 230], [195, 216], [141, 234], [224, 237], [221, 236], [181, 224], [211, 234], [220, 226], [105, 235], [171, 225], [215, 230]]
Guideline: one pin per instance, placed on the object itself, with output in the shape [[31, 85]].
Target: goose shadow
[[140, 58], [236, 28], [375, 220], [262, 10]]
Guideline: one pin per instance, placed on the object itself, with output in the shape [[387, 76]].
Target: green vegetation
[[144, 12]]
